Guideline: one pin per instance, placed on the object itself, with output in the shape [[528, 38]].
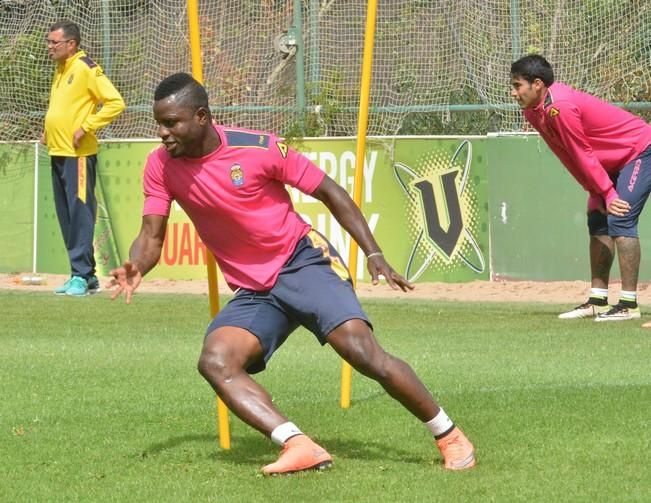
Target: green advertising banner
[[425, 200]]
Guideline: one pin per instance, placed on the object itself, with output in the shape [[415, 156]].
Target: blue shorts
[[313, 289], [633, 184]]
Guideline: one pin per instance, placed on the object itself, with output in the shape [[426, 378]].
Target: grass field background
[[101, 401]]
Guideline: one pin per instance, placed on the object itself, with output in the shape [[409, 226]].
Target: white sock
[[440, 424], [284, 432], [599, 293], [629, 296]]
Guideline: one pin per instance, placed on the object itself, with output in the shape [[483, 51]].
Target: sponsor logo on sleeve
[[283, 148]]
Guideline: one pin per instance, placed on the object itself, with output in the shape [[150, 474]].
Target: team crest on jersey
[[553, 112], [71, 78], [237, 175]]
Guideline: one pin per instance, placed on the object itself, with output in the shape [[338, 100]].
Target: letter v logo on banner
[[441, 210]]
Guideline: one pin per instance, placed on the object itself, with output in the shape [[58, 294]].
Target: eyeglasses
[[55, 43]]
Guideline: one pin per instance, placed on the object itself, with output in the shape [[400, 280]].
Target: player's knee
[[213, 364], [355, 343]]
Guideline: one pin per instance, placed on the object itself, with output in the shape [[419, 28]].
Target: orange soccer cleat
[[457, 451], [300, 453]]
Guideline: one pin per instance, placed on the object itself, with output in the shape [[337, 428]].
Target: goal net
[[294, 67]]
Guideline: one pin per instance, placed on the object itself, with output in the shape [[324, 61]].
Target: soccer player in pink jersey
[[608, 151], [231, 183]]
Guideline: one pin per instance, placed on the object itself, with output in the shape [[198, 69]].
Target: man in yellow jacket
[[82, 100]]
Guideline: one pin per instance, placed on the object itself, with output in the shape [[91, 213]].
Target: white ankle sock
[[599, 293], [284, 432], [628, 296], [440, 424]]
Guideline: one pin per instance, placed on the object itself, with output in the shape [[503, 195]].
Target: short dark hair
[[532, 67], [188, 90], [70, 30]]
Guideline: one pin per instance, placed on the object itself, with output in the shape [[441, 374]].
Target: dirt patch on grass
[[559, 292]]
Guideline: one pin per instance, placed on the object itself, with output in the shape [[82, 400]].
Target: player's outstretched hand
[[378, 266], [126, 279]]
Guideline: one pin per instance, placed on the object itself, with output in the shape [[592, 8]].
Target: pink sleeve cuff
[[595, 202], [611, 196], [156, 206]]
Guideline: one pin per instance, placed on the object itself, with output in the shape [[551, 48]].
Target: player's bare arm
[[143, 256], [345, 211]]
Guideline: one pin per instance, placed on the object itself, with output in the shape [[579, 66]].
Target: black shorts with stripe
[[313, 289], [633, 185]]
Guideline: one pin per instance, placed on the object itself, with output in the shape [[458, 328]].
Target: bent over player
[[231, 183], [608, 151]]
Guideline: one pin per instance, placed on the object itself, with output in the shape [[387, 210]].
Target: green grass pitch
[[100, 401]]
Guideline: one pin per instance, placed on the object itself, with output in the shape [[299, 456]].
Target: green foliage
[[453, 123], [25, 75], [96, 410], [327, 100]]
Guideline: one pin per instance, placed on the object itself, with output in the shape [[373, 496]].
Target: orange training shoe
[[300, 453], [458, 452]]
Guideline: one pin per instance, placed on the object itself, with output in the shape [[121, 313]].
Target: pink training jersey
[[592, 138], [237, 200]]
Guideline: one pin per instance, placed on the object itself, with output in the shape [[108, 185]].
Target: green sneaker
[[61, 290], [78, 287], [93, 285]]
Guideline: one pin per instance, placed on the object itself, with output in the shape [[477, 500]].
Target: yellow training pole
[[362, 124], [211, 266]]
